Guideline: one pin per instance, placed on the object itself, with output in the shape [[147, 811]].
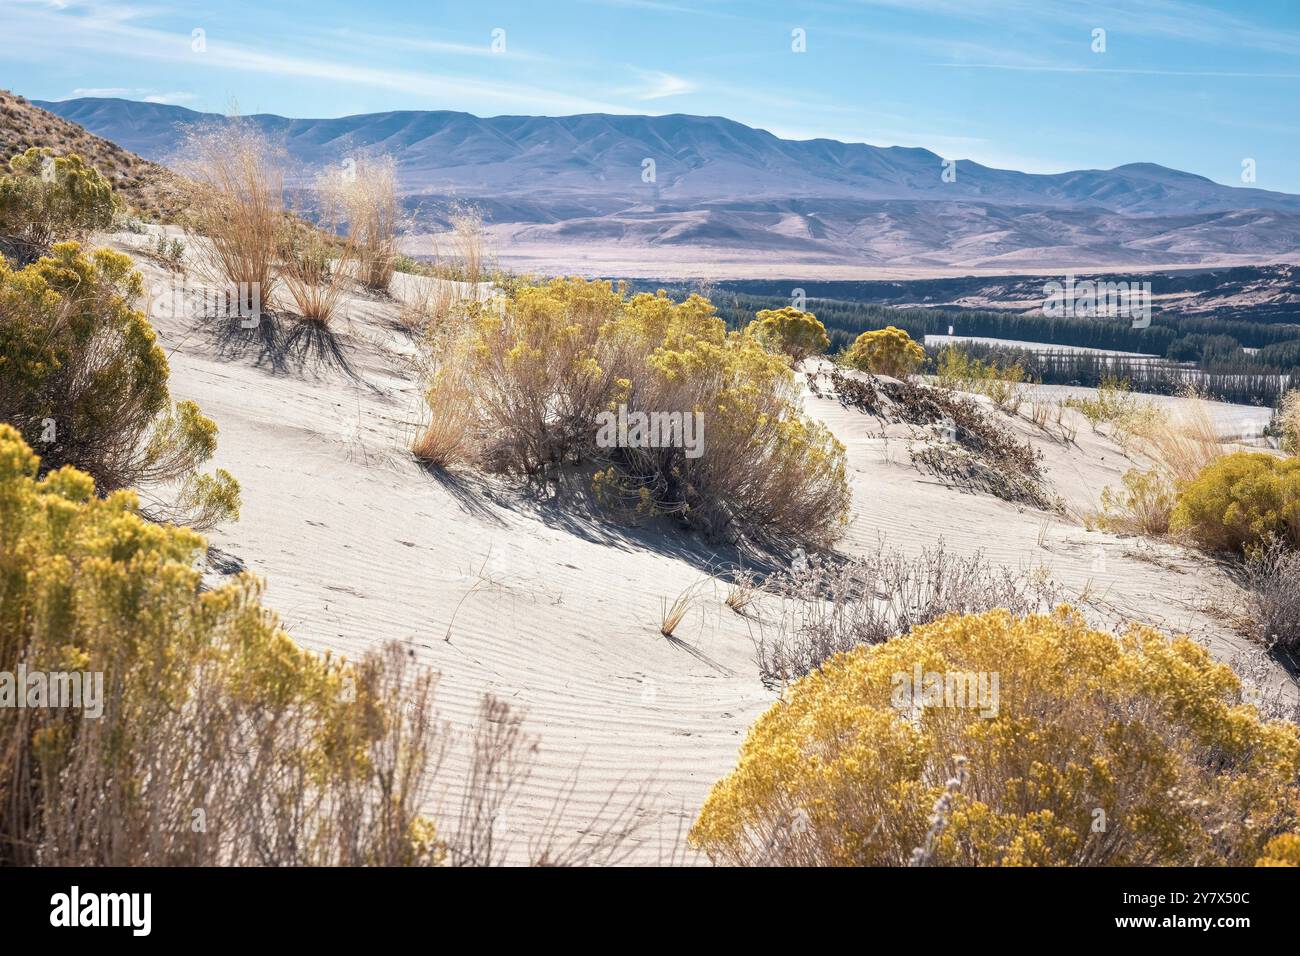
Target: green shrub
[[1242, 501], [888, 351], [45, 197], [212, 738], [83, 378], [790, 332], [1143, 505]]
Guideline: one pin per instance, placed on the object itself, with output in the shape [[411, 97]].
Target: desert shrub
[[547, 368], [1112, 402], [790, 332], [1273, 586], [1288, 421], [45, 197], [217, 739], [1003, 385], [987, 455], [213, 738], [1282, 850], [236, 202], [1143, 505], [1094, 750], [1241, 501], [83, 378], [169, 253], [366, 198], [829, 607], [888, 351]]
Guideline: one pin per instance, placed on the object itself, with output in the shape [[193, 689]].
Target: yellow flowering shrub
[[888, 351], [212, 738], [790, 331], [45, 197], [1240, 501], [83, 378], [1093, 749], [543, 376]]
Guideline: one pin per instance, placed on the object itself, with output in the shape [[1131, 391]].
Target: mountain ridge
[[599, 179]]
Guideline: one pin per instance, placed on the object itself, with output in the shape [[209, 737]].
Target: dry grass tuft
[[1187, 441], [365, 196], [671, 615], [236, 200], [830, 607]]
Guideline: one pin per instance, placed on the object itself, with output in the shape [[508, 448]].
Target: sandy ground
[[557, 614]]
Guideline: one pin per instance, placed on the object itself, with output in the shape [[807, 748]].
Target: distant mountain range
[[634, 182]]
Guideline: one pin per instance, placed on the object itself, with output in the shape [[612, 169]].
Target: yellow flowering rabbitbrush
[[534, 374], [219, 740], [1104, 750]]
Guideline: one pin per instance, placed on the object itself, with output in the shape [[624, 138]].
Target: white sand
[[558, 615]]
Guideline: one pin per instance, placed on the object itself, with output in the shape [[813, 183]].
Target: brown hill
[[148, 188]]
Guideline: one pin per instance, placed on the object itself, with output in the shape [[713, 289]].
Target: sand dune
[[559, 614]]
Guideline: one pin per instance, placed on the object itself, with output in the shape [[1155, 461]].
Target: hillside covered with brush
[[148, 188]]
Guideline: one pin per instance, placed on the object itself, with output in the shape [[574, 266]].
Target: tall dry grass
[[1186, 440], [317, 266], [236, 200], [460, 263], [366, 196]]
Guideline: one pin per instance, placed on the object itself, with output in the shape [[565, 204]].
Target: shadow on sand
[[282, 343]]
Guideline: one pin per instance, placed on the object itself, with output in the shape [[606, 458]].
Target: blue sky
[[1012, 83]]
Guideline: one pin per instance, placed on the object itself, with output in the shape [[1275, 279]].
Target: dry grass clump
[[365, 196], [742, 591], [451, 279], [316, 273], [834, 606], [1273, 580], [236, 200], [1080, 748], [1186, 441], [672, 614]]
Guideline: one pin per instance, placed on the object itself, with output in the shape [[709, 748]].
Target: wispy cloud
[[656, 85]]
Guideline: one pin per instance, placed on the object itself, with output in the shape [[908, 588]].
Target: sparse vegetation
[[1273, 582], [986, 455], [1143, 506], [1145, 734], [832, 606]]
